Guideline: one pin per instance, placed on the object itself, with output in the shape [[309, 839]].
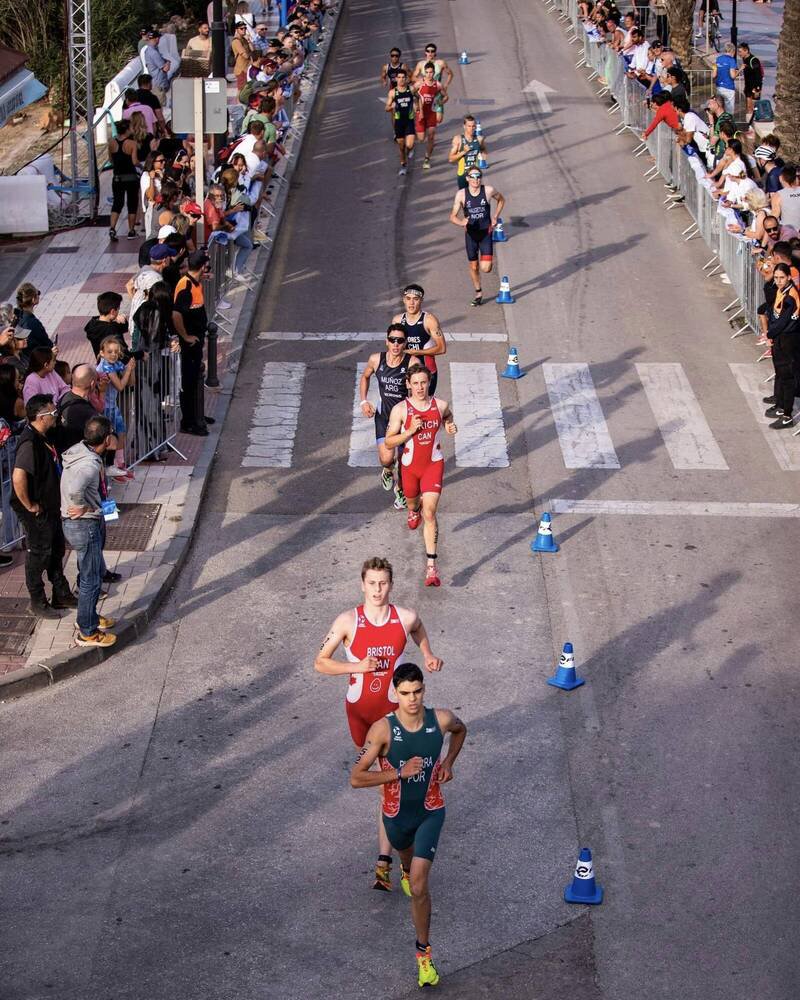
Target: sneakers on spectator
[[112, 235], [783, 421], [120, 475], [132, 234], [773, 411], [105, 624], [239, 276], [100, 639], [768, 400]]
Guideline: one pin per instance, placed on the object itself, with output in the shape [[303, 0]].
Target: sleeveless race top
[[122, 162], [391, 382], [404, 105], [470, 152], [386, 643], [418, 339], [420, 794], [477, 211], [392, 71], [424, 447], [427, 95]]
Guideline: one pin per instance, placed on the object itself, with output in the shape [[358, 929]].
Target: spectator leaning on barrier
[[81, 514], [666, 112], [767, 166], [191, 322], [137, 286], [36, 502], [766, 263]]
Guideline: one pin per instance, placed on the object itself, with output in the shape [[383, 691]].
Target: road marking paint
[[675, 508], [541, 90], [481, 440], [582, 430], [363, 453], [275, 416], [687, 436], [786, 449], [456, 338]]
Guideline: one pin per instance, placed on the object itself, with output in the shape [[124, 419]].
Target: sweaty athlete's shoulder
[[408, 616]]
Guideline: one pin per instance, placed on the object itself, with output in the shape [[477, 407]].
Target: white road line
[[785, 449], [675, 508], [366, 336], [363, 453], [687, 436], [582, 430], [481, 441], [275, 416]]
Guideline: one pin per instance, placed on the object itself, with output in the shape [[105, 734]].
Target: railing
[[11, 533]]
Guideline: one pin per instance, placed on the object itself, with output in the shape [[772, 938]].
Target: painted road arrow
[[541, 90]]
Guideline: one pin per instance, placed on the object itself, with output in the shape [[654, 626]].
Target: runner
[[390, 70], [466, 149], [429, 91], [475, 205], [374, 636], [424, 337], [441, 69], [390, 368], [416, 423], [401, 104], [408, 744]]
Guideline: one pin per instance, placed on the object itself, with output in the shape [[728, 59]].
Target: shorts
[[381, 423], [426, 121], [479, 244], [752, 92], [116, 421], [427, 481], [361, 716], [403, 127], [422, 831]]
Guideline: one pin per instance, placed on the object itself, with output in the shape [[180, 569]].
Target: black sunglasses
[[396, 340], [771, 232]]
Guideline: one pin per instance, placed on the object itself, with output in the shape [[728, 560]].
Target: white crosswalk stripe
[[275, 416], [581, 426], [363, 453], [783, 445], [481, 440], [684, 428]]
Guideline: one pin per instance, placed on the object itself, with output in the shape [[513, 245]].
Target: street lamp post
[[734, 28]]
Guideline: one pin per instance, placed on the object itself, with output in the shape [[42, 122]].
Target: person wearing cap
[[137, 287], [156, 65], [766, 162], [261, 41], [242, 51], [472, 209], [191, 322], [147, 246]]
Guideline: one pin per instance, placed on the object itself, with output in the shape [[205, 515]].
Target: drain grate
[[132, 531], [16, 625]]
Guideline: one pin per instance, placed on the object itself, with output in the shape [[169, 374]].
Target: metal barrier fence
[[11, 533], [150, 407]]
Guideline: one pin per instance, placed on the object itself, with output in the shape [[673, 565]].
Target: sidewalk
[[759, 25], [150, 541]]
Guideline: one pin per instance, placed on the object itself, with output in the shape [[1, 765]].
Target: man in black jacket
[[37, 503]]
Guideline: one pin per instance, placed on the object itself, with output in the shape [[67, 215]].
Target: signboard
[[215, 105]]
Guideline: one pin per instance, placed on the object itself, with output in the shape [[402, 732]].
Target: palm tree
[[680, 14], [787, 95]]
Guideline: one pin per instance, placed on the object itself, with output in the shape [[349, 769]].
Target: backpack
[[227, 151], [762, 111]]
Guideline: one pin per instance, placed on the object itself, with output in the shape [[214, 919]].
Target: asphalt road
[[178, 822]]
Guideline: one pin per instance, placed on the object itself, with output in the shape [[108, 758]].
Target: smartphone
[[55, 340]]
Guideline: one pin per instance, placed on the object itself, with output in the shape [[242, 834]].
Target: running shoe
[[414, 517], [401, 172], [112, 235], [432, 576], [782, 422], [426, 163], [387, 479], [426, 970], [405, 883], [478, 300], [101, 639], [383, 878], [400, 502], [773, 411]]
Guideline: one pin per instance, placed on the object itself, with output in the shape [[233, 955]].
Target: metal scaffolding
[[83, 168]]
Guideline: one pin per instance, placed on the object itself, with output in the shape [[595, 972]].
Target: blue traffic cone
[[478, 128], [499, 234], [483, 163], [544, 541], [583, 888], [463, 59], [565, 676], [512, 365], [504, 296]]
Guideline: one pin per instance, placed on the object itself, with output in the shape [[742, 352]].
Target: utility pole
[[734, 27], [81, 108], [218, 56]]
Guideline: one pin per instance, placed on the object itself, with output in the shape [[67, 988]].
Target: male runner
[[416, 423], [390, 368], [401, 104], [465, 150], [428, 91], [441, 69], [408, 744], [424, 337], [374, 636], [475, 205], [390, 70]]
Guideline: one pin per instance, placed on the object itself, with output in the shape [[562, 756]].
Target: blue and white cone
[[478, 128], [565, 676], [483, 163], [583, 888], [463, 59], [544, 541], [512, 365], [504, 296], [499, 234]]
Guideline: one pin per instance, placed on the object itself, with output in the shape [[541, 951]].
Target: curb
[[141, 613]]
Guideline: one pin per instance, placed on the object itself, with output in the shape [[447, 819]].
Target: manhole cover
[[16, 625], [132, 531]]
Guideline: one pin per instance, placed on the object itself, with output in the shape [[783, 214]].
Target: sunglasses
[[396, 340], [430, 50], [48, 413], [772, 232], [474, 177]]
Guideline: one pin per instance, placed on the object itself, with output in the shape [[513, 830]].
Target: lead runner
[[374, 636]]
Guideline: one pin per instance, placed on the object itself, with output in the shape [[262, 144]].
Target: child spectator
[[120, 376], [62, 369], [42, 378], [110, 323]]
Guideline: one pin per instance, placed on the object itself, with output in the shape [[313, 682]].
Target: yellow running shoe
[[428, 976], [383, 878], [405, 885]]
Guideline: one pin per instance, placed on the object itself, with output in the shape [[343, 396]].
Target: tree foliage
[[787, 88]]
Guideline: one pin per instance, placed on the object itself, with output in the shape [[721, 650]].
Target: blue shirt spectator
[[155, 63], [724, 77]]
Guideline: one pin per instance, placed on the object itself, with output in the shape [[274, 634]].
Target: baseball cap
[[191, 208], [166, 231], [21, 333], [161, 252], [764, 153], [153, 33], [199, 258]]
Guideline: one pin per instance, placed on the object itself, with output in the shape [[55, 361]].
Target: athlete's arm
[[384, 74], [389, 101], [449, 722], [458, 205], [413, 625], [443, 93], [416, 76], [447, 416], [455, 150], [377, 745], [363, 386], [491, 193], [395, 434], [337, 634], [446, 69], [434, 331]]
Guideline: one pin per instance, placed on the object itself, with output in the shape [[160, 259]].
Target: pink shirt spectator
[[149, 115], [51, 385]]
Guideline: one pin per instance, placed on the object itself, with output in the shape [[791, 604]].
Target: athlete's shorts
[[428, 481], [479, 244], [361, 716], [422, 831], [403, 127], [433, 382], [427, 120], [381, 423]]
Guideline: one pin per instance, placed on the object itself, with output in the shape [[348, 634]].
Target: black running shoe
[[478, 300]]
